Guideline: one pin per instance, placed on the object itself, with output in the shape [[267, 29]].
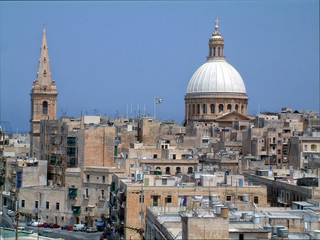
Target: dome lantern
[[216, 44]]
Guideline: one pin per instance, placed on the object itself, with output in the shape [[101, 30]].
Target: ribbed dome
[[216, 76]]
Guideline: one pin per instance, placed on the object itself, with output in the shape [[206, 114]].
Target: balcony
[[53, 160], [71, 151], [76, 210], [71, 141], [72, 192]]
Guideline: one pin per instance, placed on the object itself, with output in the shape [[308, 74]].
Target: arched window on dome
[[219, 51], [45, 108], [221, 108], [212, 108], [204, 108], [214, 51], [198, 109], [237, 108], [193, 109], [229, 107]]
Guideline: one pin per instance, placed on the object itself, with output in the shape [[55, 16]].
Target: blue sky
[[106, 55]]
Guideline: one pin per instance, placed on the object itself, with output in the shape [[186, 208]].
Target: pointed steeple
[[44, 72], [216, 44]]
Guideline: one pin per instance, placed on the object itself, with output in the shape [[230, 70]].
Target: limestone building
[[43, 98], [216, 91]]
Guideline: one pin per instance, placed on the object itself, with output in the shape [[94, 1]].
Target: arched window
[[214, 51], [158, 168], [190, 109], [242, 108], [178, 170], [212, 108], [190, 170], [167, 170], [44, 108], [193, 109], [229, 107], [219, 51], [198, 108], [221, 108], [204, 108], [44, 59], [237, 108]]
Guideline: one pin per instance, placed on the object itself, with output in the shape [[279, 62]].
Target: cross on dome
[[217, 26]]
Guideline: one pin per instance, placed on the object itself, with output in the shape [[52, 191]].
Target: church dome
[[216, 76]]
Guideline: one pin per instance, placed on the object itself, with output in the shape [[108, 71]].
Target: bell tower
[[43, 98]]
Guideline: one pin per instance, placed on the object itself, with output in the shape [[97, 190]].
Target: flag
[[158, 100]]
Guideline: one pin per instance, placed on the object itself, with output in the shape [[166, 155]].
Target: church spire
[[44, 72], [216, 44]]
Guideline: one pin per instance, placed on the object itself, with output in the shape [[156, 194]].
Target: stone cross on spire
[[217, 26]]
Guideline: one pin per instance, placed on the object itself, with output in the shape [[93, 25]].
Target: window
[[88, 178], [102, 194], [169, 199], [214, 51], [228, 198], [155, 200], [198, 108], [193, 109], [44, 59], [237, 108], [229, 107], [62, 218], [155, 155], [256, 200], [57, 206], [140, 199], [167, 170], [86, 193], [22, 203], [178, 170], [220, 108], [103, 179], [174, 156], [306, 147], [44, 108], [190, 170], [218, 51], [164, 181], [36, 204], [313, 148], [47, 205], [212, 108], [204, 108]]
